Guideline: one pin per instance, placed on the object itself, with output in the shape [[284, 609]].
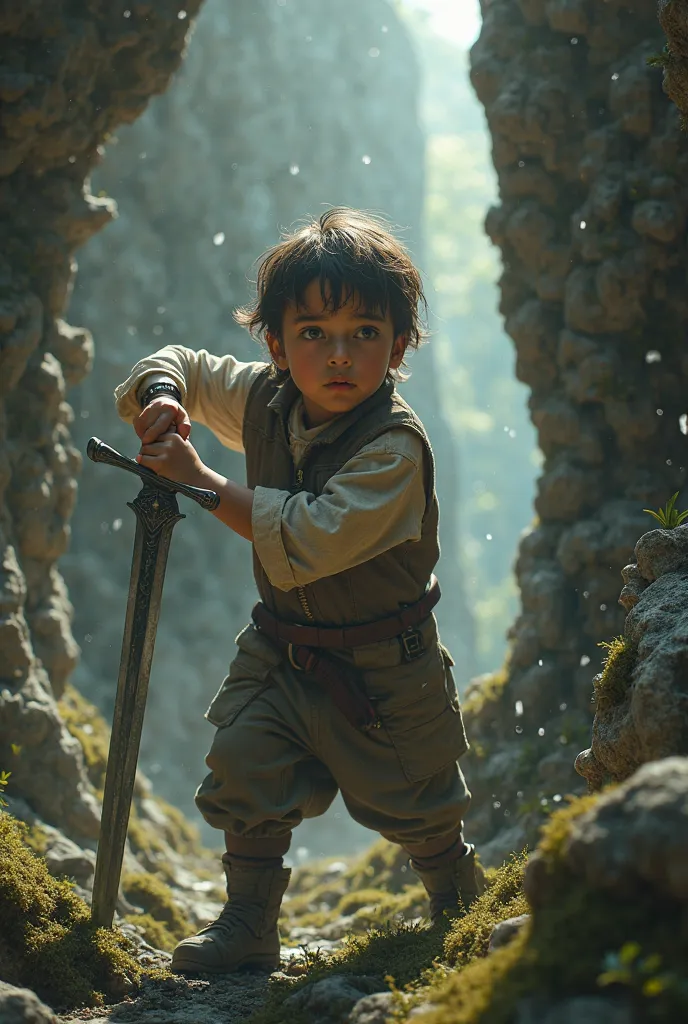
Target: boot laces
[[236, 912]]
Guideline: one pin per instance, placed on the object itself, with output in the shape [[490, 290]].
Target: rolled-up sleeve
[[375, 502], [214, 388]]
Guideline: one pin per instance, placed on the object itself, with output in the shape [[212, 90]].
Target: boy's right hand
[[163, 415]]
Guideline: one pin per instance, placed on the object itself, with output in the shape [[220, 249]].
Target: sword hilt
[[98, 451]]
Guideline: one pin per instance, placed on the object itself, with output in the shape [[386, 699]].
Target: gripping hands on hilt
[[98, 451]]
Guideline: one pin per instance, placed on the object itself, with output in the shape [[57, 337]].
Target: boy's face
[[336, 359]]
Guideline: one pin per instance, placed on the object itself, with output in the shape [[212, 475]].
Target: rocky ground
[[342, 921], [593, 930]]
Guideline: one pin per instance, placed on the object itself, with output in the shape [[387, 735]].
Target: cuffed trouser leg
[[267, 848], [264, 776]]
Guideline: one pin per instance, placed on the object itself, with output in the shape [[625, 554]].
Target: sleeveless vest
[[379, 586]]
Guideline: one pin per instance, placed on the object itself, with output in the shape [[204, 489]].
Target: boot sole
[[264, 963]]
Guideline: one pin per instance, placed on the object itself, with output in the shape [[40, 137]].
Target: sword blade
[[156, 514]]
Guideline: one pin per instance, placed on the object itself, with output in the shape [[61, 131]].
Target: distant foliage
[[4, 779]]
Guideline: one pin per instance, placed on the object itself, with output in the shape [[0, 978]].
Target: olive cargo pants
[[282, 749]]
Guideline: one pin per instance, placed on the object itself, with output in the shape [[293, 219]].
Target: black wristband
[[160, 388]]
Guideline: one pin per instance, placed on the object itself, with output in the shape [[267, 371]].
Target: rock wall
[[279, 111], [641, 705], [592, 169], [673, 18], [70, 75]]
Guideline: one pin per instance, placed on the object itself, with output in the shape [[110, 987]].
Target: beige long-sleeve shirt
[[375, 501]]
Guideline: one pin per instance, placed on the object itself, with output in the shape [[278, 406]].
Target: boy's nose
[[339, 353]]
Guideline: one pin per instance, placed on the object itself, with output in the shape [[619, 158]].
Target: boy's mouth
[[340, 384]]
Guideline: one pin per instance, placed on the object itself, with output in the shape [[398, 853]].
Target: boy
[[340, 682]]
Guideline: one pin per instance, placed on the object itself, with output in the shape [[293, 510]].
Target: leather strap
[[347, 636], [343, 684]]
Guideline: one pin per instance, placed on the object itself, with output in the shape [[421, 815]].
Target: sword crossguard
[[99, 451]]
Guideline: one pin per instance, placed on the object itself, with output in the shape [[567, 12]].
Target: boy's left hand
[[172, 457]]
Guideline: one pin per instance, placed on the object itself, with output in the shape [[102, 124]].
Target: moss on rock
[[614, 682], [163, 924], [36, 838], [374, 890], [85, 722], [384, 862], [47, 941], [484, 690], [469, 936]]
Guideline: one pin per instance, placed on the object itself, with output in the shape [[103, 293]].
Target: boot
[[245, 934], [452, 886]]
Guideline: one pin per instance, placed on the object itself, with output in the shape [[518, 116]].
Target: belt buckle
[[290, 655], [311, 660], [412, 644]]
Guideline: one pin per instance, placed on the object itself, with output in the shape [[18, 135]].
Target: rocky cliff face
[[591, 224], [279, 110], [71, 74], [674, 20], [641, 705]]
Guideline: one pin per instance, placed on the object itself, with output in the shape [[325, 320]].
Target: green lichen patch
[[381, 908], [163, 923], [85, 722], [614, 682], [385, 862], [367, 908], [377, 888], [484, 692], [47, 941], [179, 833], [558, 829], [36, 838]]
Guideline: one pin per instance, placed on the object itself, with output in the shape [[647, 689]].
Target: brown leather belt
[[348, 636], [342, 681]]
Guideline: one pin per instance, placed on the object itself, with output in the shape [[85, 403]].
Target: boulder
[[505, 931], [22, 1006], [331, 1000], [375, 1009], [634, 837]]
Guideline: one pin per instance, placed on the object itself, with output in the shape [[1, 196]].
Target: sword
[[156, 512]]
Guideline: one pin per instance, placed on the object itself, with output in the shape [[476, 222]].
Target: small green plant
[[643, 975], [4, 779], [668, 517], [659, 60]]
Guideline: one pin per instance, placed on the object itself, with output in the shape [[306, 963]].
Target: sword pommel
[[98, 451]]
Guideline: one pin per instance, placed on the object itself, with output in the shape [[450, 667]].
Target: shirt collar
[[287, 393]]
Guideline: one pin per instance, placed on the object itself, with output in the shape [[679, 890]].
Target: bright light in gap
[[457, 20]]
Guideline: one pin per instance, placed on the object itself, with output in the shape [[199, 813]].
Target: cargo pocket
[[419, 708], [249, 676]]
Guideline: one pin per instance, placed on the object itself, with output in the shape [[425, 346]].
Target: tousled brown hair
[[350, 253]]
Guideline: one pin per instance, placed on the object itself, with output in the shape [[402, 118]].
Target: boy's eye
[[311, 333], [367, 332]]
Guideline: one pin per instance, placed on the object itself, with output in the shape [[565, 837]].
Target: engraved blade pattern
[[157, 512]]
